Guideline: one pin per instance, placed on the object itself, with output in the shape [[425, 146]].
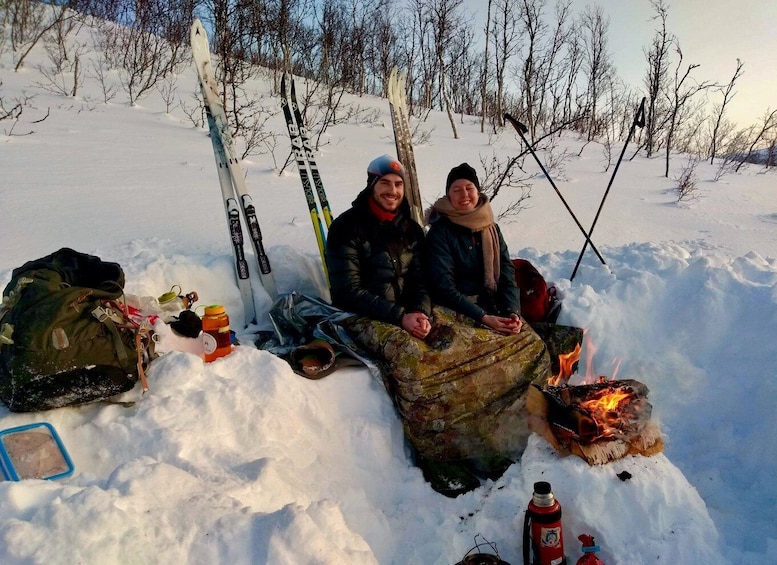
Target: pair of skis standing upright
[[233, 187]]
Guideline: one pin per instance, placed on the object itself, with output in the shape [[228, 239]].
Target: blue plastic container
[[33, 451]]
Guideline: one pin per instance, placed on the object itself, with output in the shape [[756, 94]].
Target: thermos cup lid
[[542, 487]]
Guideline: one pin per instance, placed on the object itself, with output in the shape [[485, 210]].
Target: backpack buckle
[[104, 314], [100, 313]]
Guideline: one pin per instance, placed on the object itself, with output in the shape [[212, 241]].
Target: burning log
[[598, 422]]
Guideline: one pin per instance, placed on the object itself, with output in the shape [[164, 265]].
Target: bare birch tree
[[533, 30], [484, 78], [446, 22], [30, 21], [149, 42], [597, 65], [656, 79], [680, 98], [505, 40], [426, 60], [557, 65], [719, 128], [758, 134]]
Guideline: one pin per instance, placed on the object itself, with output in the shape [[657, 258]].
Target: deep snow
[[242, 461]]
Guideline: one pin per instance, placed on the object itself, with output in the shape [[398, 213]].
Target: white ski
[[404, 141], [231, 179]]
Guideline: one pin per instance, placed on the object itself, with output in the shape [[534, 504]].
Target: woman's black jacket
[[455, 272]]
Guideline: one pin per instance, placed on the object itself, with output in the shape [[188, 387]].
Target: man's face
[[389, 192]]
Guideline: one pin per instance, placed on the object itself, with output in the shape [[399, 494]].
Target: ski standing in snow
[[403, 140], [306, 165], [233, 186]]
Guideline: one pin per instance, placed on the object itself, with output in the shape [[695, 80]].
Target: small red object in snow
[[589, 551]]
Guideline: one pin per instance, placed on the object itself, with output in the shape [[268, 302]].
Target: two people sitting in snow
[[379, 266], [457, 371]]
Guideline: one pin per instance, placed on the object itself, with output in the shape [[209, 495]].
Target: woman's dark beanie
[[463, 171]]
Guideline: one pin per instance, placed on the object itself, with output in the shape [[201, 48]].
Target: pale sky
[[712, 33]]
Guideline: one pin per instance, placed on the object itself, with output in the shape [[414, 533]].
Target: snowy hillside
[[241, 461]]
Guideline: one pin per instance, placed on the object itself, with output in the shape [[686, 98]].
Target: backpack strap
[[141, 371], [14, 294], [6, 331], [110, 317], [106, 317]]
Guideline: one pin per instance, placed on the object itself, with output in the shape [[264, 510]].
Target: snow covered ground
[[241, 461]]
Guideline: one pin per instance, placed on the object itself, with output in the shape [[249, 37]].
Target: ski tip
[[285, 79], [197, 37]]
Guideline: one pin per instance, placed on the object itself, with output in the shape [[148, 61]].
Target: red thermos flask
[[543, 537]]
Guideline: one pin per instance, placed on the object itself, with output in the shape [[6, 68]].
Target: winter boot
[[489, 467], [450, 478]]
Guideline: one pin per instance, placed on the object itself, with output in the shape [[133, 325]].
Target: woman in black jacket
[[469, 268]]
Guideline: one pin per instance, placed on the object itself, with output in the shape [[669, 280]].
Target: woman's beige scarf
[[481, 219]]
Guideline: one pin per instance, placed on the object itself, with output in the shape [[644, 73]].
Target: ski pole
[[639, 120], [521, 129]]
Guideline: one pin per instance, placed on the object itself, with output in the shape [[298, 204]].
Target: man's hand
[[509, 326], [416, 324]]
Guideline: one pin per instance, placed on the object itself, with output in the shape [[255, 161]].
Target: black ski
[[306, 166], [311, 158]]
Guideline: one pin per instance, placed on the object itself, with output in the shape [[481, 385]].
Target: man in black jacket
[[374, 254]]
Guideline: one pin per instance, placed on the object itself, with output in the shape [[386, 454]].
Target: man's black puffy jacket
[[375, 268]]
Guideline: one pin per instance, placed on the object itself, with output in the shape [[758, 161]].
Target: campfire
[[600, 421]]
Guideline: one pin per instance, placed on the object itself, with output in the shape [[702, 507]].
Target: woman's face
[[464, 195]]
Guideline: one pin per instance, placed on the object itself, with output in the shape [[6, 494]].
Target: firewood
[[558, 415]]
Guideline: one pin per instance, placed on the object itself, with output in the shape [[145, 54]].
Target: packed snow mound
[[243, 461]]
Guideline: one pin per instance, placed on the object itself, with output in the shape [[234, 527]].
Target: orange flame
[[589, 362], [567, 363], [613, 411], [607, 403], [612, 408]]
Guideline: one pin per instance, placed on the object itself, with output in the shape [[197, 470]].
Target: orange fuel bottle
[[216, 339]]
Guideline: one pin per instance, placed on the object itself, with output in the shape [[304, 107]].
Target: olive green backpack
[[64, 340]]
